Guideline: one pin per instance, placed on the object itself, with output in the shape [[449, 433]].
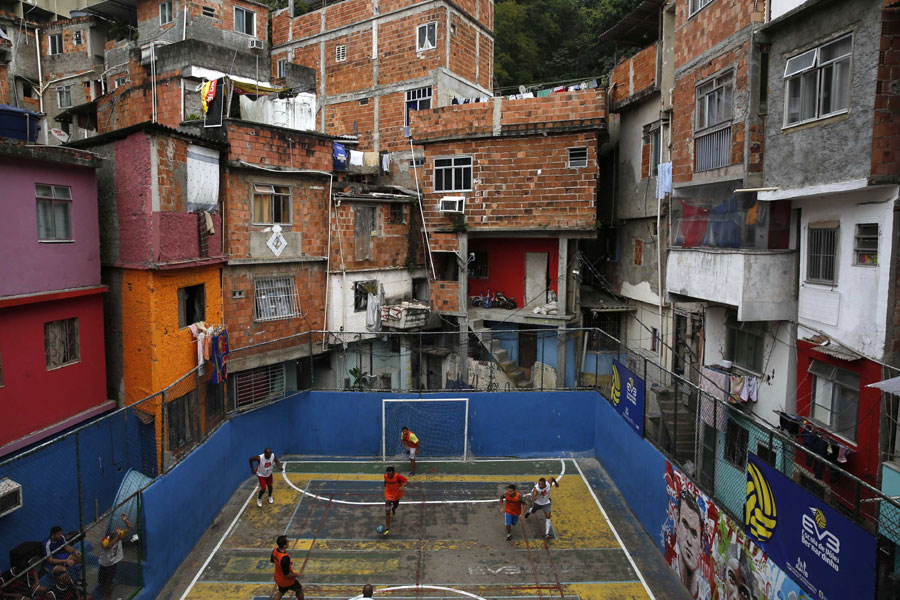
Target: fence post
[[162, 439], [540, 338], [422, 368], [674, 426], [715, 448], [312, 377], [140, 532], [596, 359], [80, 512]]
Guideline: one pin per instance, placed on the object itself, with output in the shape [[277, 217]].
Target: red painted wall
[[33, 397], [864, 462], [506, 264]]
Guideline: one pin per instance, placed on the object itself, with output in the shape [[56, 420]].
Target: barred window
[[821, 257], [61, 344], [271, 204], [604, 328], [256, 385], [478, 268], [276, 298]]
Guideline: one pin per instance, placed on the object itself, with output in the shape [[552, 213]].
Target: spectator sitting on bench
[[64, 589], [60, 554], [19, 584]]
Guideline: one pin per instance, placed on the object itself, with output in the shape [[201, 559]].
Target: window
[[256, 385], [209, 11], [478, 268], [426, 37], [417, 99], [282, 67], [340, 53], [453, 174], [698, 4], [745, 342], [77, 37], [53, 207], [835, 398], [271, 204], [655, 148], [64, 96], [61, 346], [417, 163], [244, 21], [361, 291], [275, 298], [363, 101], [165, 12], [821, 257], [55, 43], [364, 229], [214, 403], [397, 214], [865, 248], [654, 339], [714, 102], [736, 440], [766, 453], [120, 81], [817, 82], [181, 421], [191, 305], [578, 158], [604, 328]]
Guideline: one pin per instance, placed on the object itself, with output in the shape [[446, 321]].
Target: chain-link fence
[[85, 479]]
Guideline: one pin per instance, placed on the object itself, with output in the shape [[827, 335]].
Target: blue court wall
[[636, 467]]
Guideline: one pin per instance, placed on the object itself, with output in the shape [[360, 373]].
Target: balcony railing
[[713, 150]]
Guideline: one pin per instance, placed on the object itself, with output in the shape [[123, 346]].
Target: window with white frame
[[714, 101], [821, 254], [744, 343], [282, 67], [244, 21], [865, 246], [64, 96], [271, 204], [426, 37], [340, 53], [453, 174], [835, 398], [578, 157], [698, 4], [275, 298], [77, 37], [165, 12], [54, 206], [61, 344], [817, 82], [259, 384], [55, 43], [417, 99]]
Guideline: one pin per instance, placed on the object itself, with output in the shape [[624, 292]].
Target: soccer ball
[[380, 529]]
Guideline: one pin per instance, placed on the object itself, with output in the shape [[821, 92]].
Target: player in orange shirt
[[393, 492], [511, 504]]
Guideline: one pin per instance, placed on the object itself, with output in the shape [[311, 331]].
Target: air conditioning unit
[[256, 44], [452, 204], [10, 496]]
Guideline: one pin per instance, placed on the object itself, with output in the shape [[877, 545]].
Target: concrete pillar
[[562, 274], [561, 357], [463, 346]]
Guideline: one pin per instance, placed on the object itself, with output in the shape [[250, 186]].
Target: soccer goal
[[442, 426]]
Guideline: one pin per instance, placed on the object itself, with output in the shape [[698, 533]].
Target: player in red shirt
[[393, 491], [410, 443], [511, 503]]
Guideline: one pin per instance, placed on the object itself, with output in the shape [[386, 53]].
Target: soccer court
[[447, 539]]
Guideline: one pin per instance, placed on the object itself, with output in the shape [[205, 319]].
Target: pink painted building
[[52, 364]]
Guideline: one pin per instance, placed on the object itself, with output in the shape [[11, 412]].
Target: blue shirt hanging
[[339, 157]]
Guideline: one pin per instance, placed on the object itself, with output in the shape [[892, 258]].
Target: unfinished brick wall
[[277, 147], [519, 182], [886, 123], [340, 119], [444, 296], [391, 115], [398, 59], [633, 75], [4, 81], [132, 104], [355, 72], [463, 57], [711, 25], [389, 245], [171, 172]]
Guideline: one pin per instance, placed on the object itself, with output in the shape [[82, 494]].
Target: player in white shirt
[[540, 500], [267, 463]]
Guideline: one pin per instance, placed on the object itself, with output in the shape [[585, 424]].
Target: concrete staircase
[[678, 423], [500, 356]]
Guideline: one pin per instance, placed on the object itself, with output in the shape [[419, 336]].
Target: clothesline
[[212, 347], [542, 93]]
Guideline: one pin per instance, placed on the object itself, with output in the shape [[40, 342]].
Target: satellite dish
[[59, 134], [522, 89]]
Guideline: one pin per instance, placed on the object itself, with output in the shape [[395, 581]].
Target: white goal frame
[[385, 401]]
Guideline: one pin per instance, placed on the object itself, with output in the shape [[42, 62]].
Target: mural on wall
[[711, 554]]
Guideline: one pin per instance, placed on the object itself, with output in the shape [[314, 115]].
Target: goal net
[[442, 427]]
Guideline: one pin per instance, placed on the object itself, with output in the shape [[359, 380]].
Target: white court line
[[284, 465], [403, 456], [219, 545], [423, 587], [615, 533]]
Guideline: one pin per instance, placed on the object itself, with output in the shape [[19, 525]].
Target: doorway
[[536, 278]]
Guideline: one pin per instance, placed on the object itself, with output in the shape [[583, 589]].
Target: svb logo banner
[[627, 396], [823, 551]]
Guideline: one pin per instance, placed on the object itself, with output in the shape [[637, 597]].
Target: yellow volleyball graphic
[[760, 515], [821, 523], [616, 392]]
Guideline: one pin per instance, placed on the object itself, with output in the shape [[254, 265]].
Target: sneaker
[[386, 531], [527, 512], [271, 500], [508, 537], [412, 473], [259, 502], [549, 536]]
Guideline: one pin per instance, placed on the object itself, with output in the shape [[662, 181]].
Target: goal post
[[441, 424]]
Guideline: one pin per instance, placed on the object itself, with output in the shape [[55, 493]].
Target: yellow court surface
[[447, 540]]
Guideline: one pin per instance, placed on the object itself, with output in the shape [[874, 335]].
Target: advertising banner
[[627, 396], [823, 551]]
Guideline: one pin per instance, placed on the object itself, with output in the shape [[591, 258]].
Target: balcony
[[762, 284], [404, 316]]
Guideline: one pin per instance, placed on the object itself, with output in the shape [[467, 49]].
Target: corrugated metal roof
[[639, 28]]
